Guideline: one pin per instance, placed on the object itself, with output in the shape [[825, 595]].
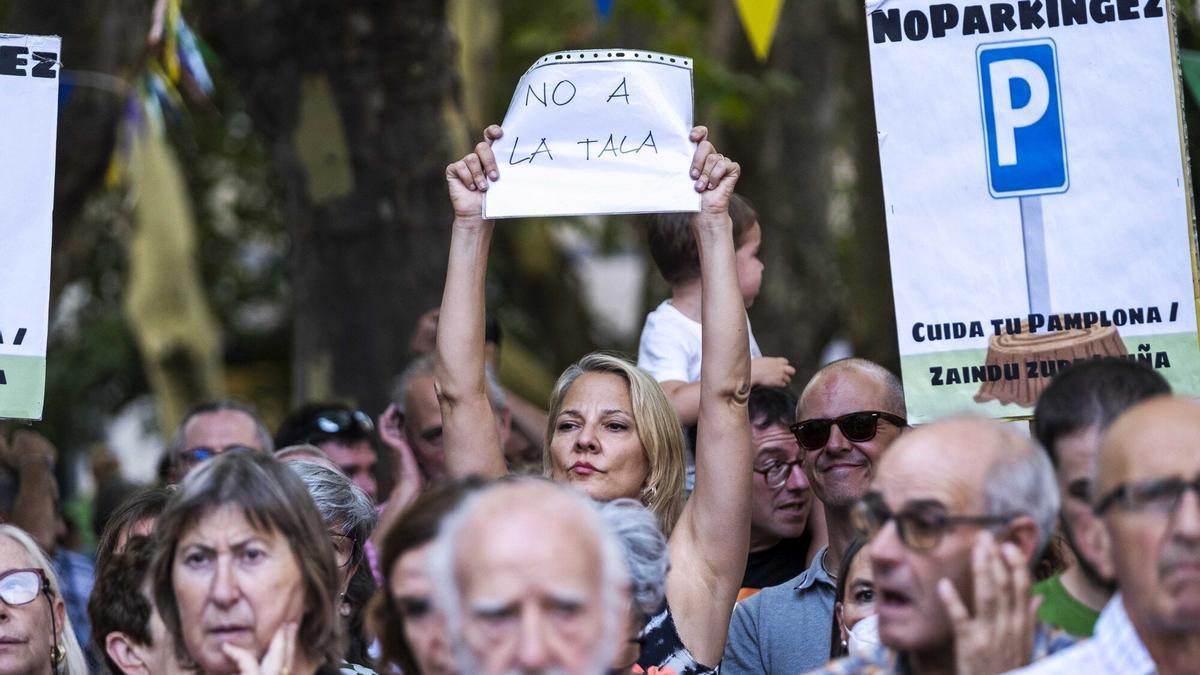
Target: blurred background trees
[[275, 239]]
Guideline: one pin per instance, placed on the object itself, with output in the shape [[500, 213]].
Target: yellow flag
[[760, 18]]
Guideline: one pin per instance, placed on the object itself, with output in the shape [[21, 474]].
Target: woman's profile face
[[26, 634], [233, 584], [424, 627], [859, 600], [595, 445]]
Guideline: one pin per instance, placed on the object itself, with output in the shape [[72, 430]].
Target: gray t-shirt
[[784, 628]]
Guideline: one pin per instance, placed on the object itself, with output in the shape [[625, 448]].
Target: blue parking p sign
[[1022, 118]]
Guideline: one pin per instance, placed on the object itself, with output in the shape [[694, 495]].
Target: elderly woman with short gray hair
[[350, 520]]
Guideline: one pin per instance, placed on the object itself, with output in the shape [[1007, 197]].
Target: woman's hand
[[715, 175], [277, 660], [467, 179]]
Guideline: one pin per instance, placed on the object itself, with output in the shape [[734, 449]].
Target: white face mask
[[864, 637]]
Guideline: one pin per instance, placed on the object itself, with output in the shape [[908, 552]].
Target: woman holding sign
[[612, 430]]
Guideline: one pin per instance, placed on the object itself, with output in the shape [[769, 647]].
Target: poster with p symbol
[[1022, 118]]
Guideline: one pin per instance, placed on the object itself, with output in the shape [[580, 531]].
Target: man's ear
[[1101, 544], [125, 653], [391, 425], [1024, 533]]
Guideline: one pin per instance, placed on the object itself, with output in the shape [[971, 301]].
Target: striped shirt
[[879, 660], [1114, 648]]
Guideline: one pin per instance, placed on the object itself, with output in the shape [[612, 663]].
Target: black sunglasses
[[919, 529], [859, 427], [1152, 496]]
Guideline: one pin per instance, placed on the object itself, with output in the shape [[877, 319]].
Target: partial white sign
[[597, 131], [29, 67], [1037, 195]]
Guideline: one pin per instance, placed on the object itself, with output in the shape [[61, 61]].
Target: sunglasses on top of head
[[340, 422]]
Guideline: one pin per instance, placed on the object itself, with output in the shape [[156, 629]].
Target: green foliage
[[92, 364]]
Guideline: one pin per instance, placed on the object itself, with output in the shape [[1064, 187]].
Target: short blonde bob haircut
[[658, 430], [72, 654]]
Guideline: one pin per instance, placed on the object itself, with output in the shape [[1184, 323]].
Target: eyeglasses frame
[[946, 523], [896, 420], [1120, 494]]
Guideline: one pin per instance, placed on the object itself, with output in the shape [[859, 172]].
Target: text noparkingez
[[945, 19]]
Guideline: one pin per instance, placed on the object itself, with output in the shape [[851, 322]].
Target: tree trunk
[[350, 98], [104, 43], [787, 156]]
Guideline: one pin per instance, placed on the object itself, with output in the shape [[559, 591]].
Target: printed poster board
[[595, 132], [29, 67], [1037, 195]]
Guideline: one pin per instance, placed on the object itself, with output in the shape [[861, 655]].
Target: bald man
[[957, 513], [530, 580], [1147, 497], [849, 413]]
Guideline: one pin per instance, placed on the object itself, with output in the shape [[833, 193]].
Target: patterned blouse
[[663, 652]]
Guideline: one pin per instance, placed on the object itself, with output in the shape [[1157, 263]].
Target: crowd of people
[[655, 517]]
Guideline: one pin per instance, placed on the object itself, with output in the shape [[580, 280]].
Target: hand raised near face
[[997, 636]]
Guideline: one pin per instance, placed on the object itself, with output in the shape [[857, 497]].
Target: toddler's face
[[749, 267]]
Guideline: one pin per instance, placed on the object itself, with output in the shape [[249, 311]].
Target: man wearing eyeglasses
[[781, 501], [212, 428], [1072, 413], [1147, 497], [957, 514], [849, 413]]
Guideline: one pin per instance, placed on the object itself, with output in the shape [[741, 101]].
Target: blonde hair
[[72, 662], [658, 430]]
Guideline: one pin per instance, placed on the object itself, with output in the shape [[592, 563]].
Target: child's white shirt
[[669, 348]]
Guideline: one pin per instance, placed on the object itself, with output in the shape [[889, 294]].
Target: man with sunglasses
[[957, 514], [342, 433], [212, 428], [1072, 413], [849, 413], [1147, 499]]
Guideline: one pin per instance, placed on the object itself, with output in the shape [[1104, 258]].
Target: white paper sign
[[29, 67], [597, 131], [1037, 195]]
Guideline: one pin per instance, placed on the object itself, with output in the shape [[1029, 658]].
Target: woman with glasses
[[612, 431], [245, 577], [35, 631], [349, 520]]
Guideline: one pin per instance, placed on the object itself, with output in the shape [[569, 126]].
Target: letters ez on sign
[[1022, 118]]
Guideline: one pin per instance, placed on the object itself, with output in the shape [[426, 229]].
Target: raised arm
[[469, 435], [711, 540]]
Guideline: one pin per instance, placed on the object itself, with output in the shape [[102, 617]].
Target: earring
[[57, 654], [844, 645]]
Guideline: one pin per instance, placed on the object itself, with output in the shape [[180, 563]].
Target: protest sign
[[597, 131], [1037, 195], [29, 68]]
